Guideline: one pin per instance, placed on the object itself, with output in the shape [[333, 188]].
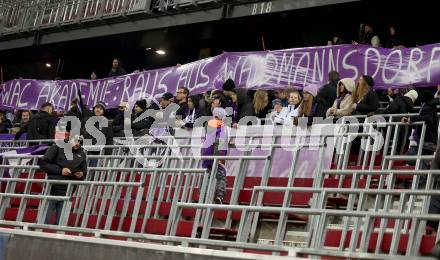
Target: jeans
[[54, 207]]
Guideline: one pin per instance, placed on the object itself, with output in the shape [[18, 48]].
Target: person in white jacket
[[292, 110], [344, 101]]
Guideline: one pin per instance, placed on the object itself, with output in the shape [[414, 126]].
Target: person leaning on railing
[[58, 166]]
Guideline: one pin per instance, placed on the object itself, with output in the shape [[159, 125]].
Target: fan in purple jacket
[[216, 143]]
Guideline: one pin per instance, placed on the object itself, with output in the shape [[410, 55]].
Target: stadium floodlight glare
[[48, 65], [161, 52]]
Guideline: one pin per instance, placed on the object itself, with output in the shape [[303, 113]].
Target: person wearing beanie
[[107, 131], [140, 105], [427, 114], [140, 127], [311, 106], [216, 143], [242, 105], [402, 104], [166, 99], [328, 92], [342, 106], [228, 85], [365, 99], [99, 108]]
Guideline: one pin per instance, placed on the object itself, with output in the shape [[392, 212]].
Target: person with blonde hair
[[342, 106], [260, 104], [365, 99], [291, 111]]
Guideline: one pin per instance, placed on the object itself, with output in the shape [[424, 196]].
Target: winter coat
[[53, 162], [41, 126]]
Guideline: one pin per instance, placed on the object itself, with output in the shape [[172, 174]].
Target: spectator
[[336, 40], [217, 100], [393, 40], [261, 106], [42, 125], [366, 101], [5, 124], [367, 36], [277, 108], [166, 100], [193, 112], [77, 112], [58, 167], [328, 92], [204, 102], [390, 95], [216, 143], [402, 104], [118, 121], [99, 111], [427, 114], [282, 95], [11, 115], [25, 118], [181, 100], [342, 106], [291, 111], [311, 106], [244, 104], [93, 76], [116, 69], [140, 126]]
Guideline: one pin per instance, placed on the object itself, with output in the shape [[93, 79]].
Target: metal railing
[[122, 194]]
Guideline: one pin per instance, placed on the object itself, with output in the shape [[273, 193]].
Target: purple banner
[[419, 66]]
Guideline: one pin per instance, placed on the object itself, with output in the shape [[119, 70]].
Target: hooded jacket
[[427, 114], [41, 126], [344, 104]]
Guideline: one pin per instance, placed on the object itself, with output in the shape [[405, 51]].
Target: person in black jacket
[[402, 104], [118, 121], [5, 123], [427, 114], [365, 98], [243, 103], [42, 125], [261, 106], [116, 69], [107, 131], [328, 92], [59, 167], [193, 112], [142, 126], [182, 100]]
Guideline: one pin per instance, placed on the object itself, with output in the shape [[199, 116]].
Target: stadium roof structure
[[38, 22]]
